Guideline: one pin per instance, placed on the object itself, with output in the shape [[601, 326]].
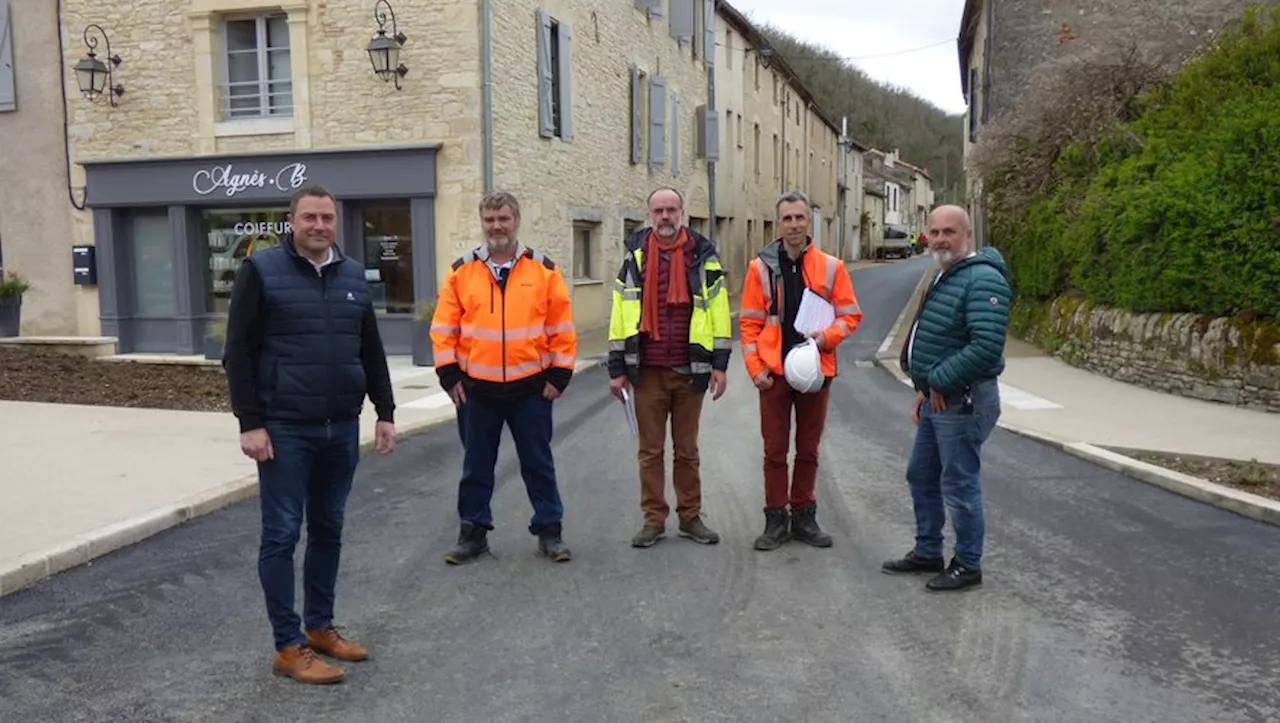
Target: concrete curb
[[903, 318], [1242, 503], [1253, 506], [83, 549]]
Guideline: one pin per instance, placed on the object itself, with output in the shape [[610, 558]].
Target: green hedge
[[1178, 211]]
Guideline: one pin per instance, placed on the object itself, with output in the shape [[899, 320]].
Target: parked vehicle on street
[[898, 242]]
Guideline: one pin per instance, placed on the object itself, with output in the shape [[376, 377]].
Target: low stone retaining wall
[[1229, 360]]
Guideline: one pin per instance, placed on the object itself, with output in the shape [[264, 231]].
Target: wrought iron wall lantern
[[94, 76], [384, 52], [765, 55]]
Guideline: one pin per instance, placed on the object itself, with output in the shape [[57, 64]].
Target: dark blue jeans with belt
[[943, 472], [480, 424], [311, 473]]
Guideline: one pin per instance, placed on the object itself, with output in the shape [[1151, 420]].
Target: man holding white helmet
[[780, 361]]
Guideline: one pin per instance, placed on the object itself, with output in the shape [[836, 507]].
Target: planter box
[[10, 315], [212, 347], [422, 354]]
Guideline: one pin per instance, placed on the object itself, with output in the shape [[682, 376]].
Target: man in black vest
[[302, 352]]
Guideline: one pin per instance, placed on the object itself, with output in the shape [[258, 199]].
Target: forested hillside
[[880, 116]]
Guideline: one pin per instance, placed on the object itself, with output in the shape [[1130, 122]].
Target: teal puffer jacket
[[960, 329]]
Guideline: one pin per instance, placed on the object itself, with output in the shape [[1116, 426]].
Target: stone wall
[[1027, 37], [1228, 360]]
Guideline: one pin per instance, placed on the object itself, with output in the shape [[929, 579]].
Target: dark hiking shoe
[[776, 531], [912, 564], [550, 545], [956, 577], [648, 536], [698, 531], [804, 527], [472, 543]]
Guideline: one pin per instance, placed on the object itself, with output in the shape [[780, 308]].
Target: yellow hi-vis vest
[[710, 328]]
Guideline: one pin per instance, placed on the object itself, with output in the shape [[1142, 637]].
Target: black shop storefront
[[169, 235]]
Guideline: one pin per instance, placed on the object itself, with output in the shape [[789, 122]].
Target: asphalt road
[[1105, 599]]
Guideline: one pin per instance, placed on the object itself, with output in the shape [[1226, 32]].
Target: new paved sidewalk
[[1085, 414], [80, 481]]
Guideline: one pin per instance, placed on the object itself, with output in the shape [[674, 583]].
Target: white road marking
[[1024, 400], [1017, 398], [888, 342], [431, 401]]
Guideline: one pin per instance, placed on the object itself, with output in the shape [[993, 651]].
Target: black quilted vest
[[309, 368]]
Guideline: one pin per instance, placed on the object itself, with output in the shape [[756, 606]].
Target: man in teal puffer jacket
[[954, 354]]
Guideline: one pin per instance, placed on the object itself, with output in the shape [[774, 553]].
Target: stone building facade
[[579, 107], [773, 138]]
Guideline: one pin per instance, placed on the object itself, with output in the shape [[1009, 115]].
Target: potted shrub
[[12, 287], [215, 337], [421, 333]]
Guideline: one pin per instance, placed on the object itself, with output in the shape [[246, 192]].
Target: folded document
[[815, 314]]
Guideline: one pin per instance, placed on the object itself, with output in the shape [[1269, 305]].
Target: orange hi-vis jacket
[[507, 336], [763, 307]]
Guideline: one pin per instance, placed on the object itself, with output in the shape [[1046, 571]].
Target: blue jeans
[[312, 472], [944, 470], [480, 423]]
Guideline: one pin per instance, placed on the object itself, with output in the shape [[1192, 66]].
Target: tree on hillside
[[880, 116]]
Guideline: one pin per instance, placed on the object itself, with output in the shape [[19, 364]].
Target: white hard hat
[[803, 368]]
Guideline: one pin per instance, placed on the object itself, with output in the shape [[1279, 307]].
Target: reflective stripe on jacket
[[710, 327], [760, 318], [500, 333]]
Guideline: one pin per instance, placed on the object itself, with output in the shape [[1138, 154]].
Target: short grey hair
[[495, 200], [791, 197]]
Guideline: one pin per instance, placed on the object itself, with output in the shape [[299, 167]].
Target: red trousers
[[776, 405]]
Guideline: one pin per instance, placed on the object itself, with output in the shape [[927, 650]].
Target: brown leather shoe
[[301, 663], [329, 642]]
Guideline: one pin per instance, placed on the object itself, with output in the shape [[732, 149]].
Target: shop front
[[169, 235]]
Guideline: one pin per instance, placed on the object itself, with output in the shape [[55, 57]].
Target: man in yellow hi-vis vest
[[670, 336]]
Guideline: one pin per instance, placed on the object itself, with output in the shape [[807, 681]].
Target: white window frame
[[262, 51]]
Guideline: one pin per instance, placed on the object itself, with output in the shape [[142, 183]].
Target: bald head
[[950, 234]]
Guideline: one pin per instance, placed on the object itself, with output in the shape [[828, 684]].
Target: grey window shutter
[[657, 122], [675, 134], [709, 34], [682, 20], [8, 87], [546, 123], [708, 133], [564, 39], [648, 4], [637, 122]]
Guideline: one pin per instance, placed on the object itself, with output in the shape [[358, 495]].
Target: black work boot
[[472, 543], [776, 532], [956, 577], [550, 544], [911, 563], [804, 526]]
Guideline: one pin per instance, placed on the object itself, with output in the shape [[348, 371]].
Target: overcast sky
[[855, 29]]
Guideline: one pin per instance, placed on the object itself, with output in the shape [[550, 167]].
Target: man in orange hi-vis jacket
[[504, 348], [772, 290]]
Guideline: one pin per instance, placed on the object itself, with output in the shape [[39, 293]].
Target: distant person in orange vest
[[505, 346], [774, 286]]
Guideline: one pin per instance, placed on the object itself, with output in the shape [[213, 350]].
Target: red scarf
[[677, 285]]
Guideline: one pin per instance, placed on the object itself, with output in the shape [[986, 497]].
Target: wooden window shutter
[[564, 40], [8, 83], [546, 120], [657, 122]]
